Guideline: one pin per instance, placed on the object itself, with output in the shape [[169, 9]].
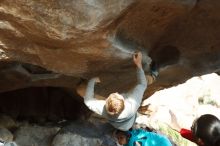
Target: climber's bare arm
[[81, 90]]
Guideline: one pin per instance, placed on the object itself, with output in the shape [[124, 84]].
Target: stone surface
[[74, 139], [60, 43], [93, 131], [7, 122], [86, 133], [5, 135], [77, 39], [35, 135]]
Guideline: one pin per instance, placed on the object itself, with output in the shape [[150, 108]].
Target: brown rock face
[[55, 43]]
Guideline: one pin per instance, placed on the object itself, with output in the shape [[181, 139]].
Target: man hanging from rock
[[119, 109]]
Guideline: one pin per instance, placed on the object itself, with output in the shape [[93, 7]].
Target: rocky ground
[[64, 133], [187, 101]]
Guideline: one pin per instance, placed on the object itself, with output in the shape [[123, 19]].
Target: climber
[[141, 137], [119, 109], [205, 130]]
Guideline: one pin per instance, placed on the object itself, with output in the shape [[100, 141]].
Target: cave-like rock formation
[[58, 43], [48, 47]]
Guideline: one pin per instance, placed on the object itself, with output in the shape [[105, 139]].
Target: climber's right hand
[[137, 58]]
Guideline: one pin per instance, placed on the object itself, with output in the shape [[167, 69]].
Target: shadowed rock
[[56, 43]]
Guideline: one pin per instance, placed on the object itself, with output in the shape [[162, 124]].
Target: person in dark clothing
[[205, 130]]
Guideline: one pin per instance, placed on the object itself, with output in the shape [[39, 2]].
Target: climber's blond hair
[[114, 104]]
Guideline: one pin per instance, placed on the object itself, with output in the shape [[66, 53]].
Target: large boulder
[[86, 133], [55, 43], [35, 135]]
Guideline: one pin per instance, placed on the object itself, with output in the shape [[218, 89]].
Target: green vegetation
[[206, 98], [174, 136]]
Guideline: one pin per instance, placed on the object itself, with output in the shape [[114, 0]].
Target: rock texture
[[5, 135], [78, 133], [35, 135], [85, 133], [55, 43]]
